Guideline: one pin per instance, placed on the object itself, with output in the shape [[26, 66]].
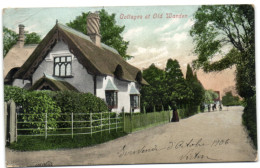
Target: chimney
[[20, 41], [93, 28]]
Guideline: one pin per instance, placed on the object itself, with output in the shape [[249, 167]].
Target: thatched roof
[[16, 57], [102, 60], [55, 84]]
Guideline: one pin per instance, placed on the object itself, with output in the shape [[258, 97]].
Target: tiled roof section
[[111, 85], [133, 90]]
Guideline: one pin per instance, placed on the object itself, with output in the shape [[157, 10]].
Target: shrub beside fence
[[137, 121]]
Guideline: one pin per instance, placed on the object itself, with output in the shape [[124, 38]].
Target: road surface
[[205, 137]]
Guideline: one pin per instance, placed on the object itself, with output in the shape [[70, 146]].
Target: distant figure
[[175, 116], [209, 108], [214, 107], [220, 107]]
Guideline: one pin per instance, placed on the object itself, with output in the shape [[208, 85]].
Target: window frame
[[114, 106], [138, 105], [66, 63]]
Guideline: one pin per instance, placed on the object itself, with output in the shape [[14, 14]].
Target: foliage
[[196, 87], [35, 105], [210, 95], [229, 100], [153, 94], [11, 37], [249, 118], [188, 110], [32, 38], [138, 121], [110, 32], [218, 27], [227, 25], [178, 90], [15, 93], [168, 87]]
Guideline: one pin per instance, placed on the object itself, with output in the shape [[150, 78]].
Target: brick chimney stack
[[21, 39], [93, 28]]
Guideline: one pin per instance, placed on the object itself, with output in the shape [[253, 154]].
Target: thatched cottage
[[70, 60]]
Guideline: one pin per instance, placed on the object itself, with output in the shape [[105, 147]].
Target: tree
[[32, 38], [177, 88], [210, 95], [227, 25], [196, 87], [10, 39], [234, 26], [153, 95], [110, 32], [229, 100]]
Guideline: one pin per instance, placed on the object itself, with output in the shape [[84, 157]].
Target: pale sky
[[152, 40]]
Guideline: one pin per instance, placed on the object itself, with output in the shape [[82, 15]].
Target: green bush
[[249, 118], [35, 106], [15, 93], [229, 100]]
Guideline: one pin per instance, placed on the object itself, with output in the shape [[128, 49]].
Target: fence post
[[109, 122], [91, 124], [101, 123], [124, 121], [72, 125], [16, 134], [12, 121], [131, 120], [6, 116], [116, 122], [46, 133]]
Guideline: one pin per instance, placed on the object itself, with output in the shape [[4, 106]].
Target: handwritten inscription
[[189, 150], [46, 164]]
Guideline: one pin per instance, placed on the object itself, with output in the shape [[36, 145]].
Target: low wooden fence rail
[[76, 124], [18, 123]]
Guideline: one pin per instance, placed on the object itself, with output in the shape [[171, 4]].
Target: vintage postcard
[[129, 85]]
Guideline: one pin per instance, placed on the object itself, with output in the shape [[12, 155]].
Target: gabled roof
[[110, 86], [55, 84], [97, 60], [134, 91]]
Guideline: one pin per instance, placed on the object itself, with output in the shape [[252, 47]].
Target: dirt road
[[205, 137]]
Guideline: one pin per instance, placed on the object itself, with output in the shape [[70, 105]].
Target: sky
[[153, 33]]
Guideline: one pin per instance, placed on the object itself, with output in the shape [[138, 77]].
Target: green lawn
[[29, 143]]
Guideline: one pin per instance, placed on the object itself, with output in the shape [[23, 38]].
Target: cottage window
[[62, 66], [134, 101], [111, 99]]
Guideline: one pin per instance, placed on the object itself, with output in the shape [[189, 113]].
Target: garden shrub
[[249, 118], [15, 93], [35, 106]]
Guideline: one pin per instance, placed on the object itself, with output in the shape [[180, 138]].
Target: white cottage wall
[[20, 83], [123, 92], [81, 79]]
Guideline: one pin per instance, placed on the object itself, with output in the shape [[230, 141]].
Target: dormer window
[[62, 66]]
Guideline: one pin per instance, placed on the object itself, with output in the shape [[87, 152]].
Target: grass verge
[[29, 143]]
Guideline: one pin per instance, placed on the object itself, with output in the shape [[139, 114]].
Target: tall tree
[[153, 94], [32, 38], [109, 30], [219, 26], [177, 88], [196, 87], [10, 39]]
